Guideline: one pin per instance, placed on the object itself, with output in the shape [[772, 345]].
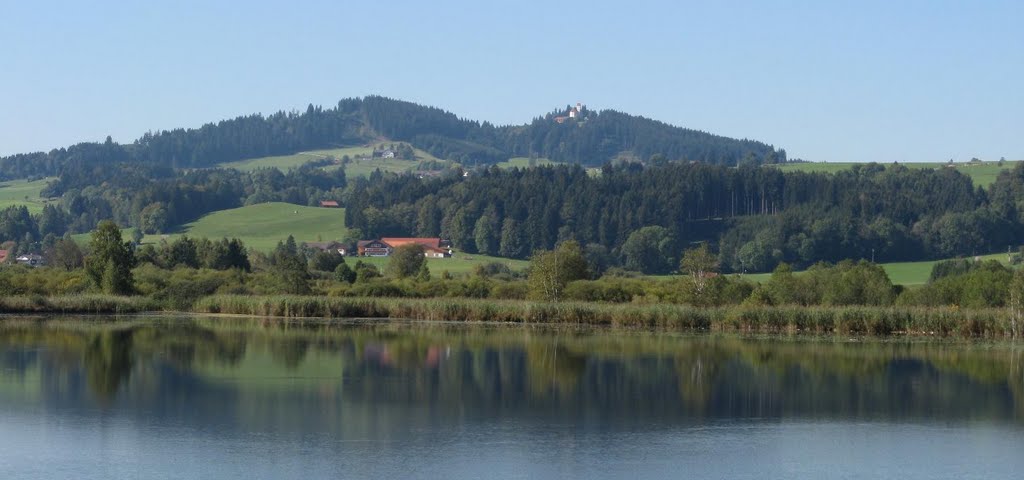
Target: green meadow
[[459, 263], [361, 167], [23, 192], [901, 273], [262, 226], [981, 173], [524, 162]]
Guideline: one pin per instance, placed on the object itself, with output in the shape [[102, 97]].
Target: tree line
[[756, 217]]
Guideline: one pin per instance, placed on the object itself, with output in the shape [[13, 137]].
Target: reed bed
[[841, 320], [97, 303]]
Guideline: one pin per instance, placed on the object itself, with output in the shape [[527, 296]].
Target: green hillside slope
[[262, 226], [22, 192]]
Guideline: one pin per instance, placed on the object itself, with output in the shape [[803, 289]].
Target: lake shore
[[838, 320]]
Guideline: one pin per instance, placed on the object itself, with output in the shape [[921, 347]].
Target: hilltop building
[[574, 112]]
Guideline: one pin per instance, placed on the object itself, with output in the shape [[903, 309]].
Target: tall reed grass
[[853, 320], [95, 303]]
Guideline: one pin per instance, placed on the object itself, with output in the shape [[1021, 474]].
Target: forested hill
[[591, 138]]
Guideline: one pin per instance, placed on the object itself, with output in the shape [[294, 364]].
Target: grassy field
[[524, 162], [982, 173], [901, 273], [458, 264], [361, 167], [23, 192], [262, 226]]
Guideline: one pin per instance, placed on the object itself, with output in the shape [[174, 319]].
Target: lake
[[196, 397]]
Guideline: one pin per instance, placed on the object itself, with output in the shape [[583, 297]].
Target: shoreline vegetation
[[829, 320]]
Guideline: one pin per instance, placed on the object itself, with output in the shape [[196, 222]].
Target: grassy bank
[[944, 322]]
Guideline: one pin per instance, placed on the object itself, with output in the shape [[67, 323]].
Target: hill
[[982, 173], [590, 138]]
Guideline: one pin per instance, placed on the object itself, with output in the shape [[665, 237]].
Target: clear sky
[[826, 80]]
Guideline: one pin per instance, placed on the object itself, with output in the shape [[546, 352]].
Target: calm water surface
[[226, 398]]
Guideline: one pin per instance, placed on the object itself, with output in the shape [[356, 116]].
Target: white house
[[31, 259]]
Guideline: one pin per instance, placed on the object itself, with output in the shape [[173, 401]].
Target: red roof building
[[3, 255], [432, 247], [329, 203]]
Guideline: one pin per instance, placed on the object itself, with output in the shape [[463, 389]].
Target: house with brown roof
[[329, 203], [432, 247], [330, 247]]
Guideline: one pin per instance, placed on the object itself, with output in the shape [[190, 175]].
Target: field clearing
[[23, 192], [981, 173], [459, 263], [524, 162], [261, 226], [357, 168], [900, 273]]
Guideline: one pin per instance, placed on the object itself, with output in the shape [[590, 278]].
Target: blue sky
[[828, 81]]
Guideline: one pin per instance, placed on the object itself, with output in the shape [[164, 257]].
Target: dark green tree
[[110, 262], [406, 261], [649, 250]]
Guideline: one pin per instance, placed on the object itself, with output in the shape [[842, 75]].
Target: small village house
[[31, 260], [329, 203], [383, 247], [332, 246]]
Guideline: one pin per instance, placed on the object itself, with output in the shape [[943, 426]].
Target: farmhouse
[[30, 259], [373, 248], [328, 247], [329, 203], [388, 153], [432, 247]]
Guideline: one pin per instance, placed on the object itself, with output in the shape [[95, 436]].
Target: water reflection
[[371, 378]]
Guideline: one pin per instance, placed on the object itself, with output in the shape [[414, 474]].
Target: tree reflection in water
[[247, 368]]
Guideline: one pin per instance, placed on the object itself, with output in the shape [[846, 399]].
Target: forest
[[642, 217]]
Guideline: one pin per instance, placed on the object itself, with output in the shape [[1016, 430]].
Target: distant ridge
[[586, 137]]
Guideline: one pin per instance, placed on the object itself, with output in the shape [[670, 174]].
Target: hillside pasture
[[358, 167], [982, 173], [524, 162], [23, 192], [261, 226]]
